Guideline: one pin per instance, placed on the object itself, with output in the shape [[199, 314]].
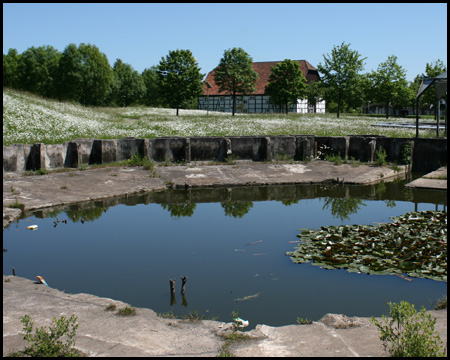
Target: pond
[[231, 243]]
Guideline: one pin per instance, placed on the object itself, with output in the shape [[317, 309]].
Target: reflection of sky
[[131, 252]]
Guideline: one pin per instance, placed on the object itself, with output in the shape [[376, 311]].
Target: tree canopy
[[127, 87], [341, 73], [179, 78], [85, 74], [286, 84], [389, 84], [235, 74]]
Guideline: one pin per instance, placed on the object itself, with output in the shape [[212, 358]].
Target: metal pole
[[438, 116], [417, 117]]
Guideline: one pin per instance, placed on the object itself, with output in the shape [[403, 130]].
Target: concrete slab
[[104, 333], [434, 180]]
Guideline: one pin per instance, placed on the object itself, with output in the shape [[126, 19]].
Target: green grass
[[29, 119]]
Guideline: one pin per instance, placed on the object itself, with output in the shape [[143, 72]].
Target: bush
[[380, 155], [409, 333], [50, 344]]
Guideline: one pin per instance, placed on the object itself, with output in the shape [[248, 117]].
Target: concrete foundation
[[427, 154]]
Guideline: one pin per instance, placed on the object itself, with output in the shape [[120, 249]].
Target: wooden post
[[172, 286], [183, 279], [172, 292]]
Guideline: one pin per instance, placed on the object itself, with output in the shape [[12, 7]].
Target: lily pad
[[414, 243]]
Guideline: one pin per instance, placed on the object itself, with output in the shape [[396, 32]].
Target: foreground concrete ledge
[[434, 180], [104, 333], [63, 188]]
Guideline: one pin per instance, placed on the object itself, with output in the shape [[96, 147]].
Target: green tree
[[389, 84], [286, 84], [179, 78], [70, 76], [11, 74], [340, 74], [127, 87], [235, 74], [85, 75], [152, 95], [38, 68]]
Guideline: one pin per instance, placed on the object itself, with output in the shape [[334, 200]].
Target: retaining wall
[[427, 154]]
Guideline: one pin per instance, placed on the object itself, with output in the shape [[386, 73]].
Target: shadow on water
[[230, 243]]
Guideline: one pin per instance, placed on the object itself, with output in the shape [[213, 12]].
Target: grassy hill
[[30, 119]]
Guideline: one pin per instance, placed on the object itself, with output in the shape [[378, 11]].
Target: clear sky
[[141, 34]]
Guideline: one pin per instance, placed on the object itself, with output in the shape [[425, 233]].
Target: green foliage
[[286, 84], [127, 87], [341, 74], [58, 341], [304, 321], [42, 171], [409, 333], [235, 74], [152, 96], [179, 78], [126, 311], [406, 154], [381, 249], [38, 69], [17, 205], [85, 75], [11, 75], [380, 157], [389, 85]]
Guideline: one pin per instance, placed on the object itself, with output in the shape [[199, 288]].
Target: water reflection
[[236, 209], [341, 200], [231, 242], [342, 208]]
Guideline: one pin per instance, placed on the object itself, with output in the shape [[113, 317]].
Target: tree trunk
[[234, 103], [387, 110], [339, 105]]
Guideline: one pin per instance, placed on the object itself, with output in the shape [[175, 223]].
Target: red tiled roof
[[263, 69]]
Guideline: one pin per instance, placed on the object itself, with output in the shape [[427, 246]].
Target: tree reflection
[[237, 209], [342, 207], [86, 214], [180, 210]]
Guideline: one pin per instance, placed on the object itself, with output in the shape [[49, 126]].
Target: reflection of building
[[258, 102]]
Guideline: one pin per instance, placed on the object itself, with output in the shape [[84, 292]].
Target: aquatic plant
[[414, 244]]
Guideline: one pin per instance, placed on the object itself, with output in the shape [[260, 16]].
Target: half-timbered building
[[214, 100]]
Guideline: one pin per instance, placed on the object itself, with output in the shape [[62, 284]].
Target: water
[[231, 243]]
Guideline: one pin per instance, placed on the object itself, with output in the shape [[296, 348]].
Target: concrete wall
[[428, 154]]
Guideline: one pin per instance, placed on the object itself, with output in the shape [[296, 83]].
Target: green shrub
[[380, 157], [409, 333], [127, 311], [50, 344]]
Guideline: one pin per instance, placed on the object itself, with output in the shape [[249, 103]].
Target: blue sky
[[141, 34]]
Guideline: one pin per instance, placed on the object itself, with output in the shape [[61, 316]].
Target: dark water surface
[[231, 243]]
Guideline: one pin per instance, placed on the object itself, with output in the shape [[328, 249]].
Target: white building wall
[[254, 104]]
